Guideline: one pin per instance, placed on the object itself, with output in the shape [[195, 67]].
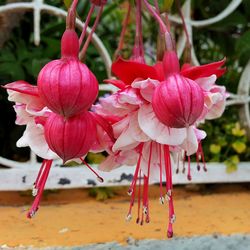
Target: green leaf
[[215, 148], [239, 147], [237, 131], [232, 163], [243, 44], [67, 3]]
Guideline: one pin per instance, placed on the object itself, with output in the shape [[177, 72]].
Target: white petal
[[146, 87], [190, 144], [206, 82], [125, 141], [135, 129], [156, 130], [33, 137]]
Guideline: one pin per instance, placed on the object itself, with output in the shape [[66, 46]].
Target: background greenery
[[21, 59]]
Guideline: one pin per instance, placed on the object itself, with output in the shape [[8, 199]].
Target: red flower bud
[[178, 101], [70, 137], [67, 86]]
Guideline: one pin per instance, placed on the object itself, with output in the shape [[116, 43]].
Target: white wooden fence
[[20, 176]]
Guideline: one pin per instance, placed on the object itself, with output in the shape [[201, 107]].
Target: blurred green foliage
[[20, 59]]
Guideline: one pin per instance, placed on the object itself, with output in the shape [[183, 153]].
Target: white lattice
[[20, 176]]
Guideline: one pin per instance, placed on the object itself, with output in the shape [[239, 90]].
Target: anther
[[161, 200], [128, 217], [145, 210], [173, 219]]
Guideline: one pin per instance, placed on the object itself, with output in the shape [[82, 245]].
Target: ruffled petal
[[146, 87], [33, 137], [156, 130], [125, 141]]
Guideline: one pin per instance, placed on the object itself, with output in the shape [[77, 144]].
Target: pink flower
[[142, 138], [52, 136]]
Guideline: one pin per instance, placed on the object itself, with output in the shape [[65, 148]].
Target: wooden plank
[[76, 177]]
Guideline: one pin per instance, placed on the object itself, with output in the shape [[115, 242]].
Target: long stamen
[[161, 188], [132, 188], [91, 10], [43, 180], [178, 163], [99, 178], [189, 177], [139, 199], [202, 157], [84, 49], [37, 182], [146, 201], [169, 194], [198, 158], [183, 163]]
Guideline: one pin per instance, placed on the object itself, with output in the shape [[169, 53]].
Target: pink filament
[[122, 35], [92, 170], [40, 186], [86, 24], [84, 49]]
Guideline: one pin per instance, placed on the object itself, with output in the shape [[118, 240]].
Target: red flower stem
[[86, 44], [202, 157], [99, 178], [189, 169], [139, 199], [44, 177], [161, 189], [146, 203], [157, 7], [138, 51], [123, 32], [36, 183], [71, 17], [137, 169], [188, 43], [168, 38], [92, 8], [169, 190]]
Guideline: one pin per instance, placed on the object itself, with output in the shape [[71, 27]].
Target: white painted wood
[[77, 177]]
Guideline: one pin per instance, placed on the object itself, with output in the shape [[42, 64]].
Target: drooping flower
[[143, 139], [58, 123]]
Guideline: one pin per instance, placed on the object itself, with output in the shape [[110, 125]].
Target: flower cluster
[[150, 122]]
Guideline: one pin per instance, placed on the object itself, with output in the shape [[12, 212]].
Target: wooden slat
[[76, 177]]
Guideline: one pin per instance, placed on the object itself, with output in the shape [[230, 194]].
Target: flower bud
[[178, 101], [70, 137], [67, 86]]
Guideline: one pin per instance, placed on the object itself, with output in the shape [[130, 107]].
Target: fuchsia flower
[[58, 123], [140, 114]]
